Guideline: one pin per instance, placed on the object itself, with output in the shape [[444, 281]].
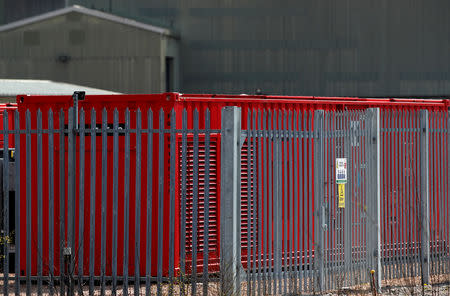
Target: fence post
[[319, 217], [373, 181], [424, 196], [69, 250], [230, 201]]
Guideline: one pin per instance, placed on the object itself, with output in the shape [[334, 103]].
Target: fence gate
[[342, 174], [305, 212]]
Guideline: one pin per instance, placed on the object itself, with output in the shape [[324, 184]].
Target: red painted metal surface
[[167, 101]]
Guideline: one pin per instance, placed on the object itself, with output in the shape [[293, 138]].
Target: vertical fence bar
[[432, 180], [291, 205], [148, 255], [297, 198], [115, 190], [417, 195], [351, 194], [369, 200], [396, 200], [230, 201], [348, 196], [400, 194], [265, 181], [359, 176], [17, 202], [337, 210], [206, 202], [126, 199], [332, 204], [406, 198], [172, 170], [447, 152], [51, 209], [5, 213], [410, 203], [252, 198], [391, 197], [248, 183], [70, 251], [254, 202], [303, 137], [329, 210], [81, 177], [385, 155], [305, 199], [285, 199], [183, 201], [424, 196], [195, 201], [92, 202], [258, 137], [276, 202], [441, 191], [318, 199], [39, 200], [364, 199], [270, 224], [280, 205], [311, 199], [283, 196], [441, 185], [28, 195], [415, 122], [373, 181], [340, 153], [137, 244], [357, 185], [104, 199], [160, 201], [405, 188], [62, 203]]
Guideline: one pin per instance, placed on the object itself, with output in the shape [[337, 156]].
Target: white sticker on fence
[[341, 170]]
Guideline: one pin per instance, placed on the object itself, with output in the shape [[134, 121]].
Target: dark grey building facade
[[296, 47]]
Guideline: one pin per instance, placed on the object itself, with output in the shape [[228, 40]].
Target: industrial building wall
[[311, 47], [85, 50]]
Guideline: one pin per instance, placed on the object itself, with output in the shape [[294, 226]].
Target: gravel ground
[[406, 286]]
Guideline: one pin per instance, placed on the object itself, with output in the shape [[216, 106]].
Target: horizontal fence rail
[[264, 201]]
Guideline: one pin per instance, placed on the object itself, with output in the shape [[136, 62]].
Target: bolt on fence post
[[373, 198], [319, 216], [230, 201], [424, 196]]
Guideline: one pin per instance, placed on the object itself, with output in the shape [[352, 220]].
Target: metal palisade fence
[[272, 202]]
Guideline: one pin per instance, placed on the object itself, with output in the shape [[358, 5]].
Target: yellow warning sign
[[341, 194]]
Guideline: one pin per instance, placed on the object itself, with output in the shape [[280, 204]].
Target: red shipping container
[[167, 102]]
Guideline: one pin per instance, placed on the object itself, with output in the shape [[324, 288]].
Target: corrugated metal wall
[[100, 53], [311, 47], [314, 47]]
